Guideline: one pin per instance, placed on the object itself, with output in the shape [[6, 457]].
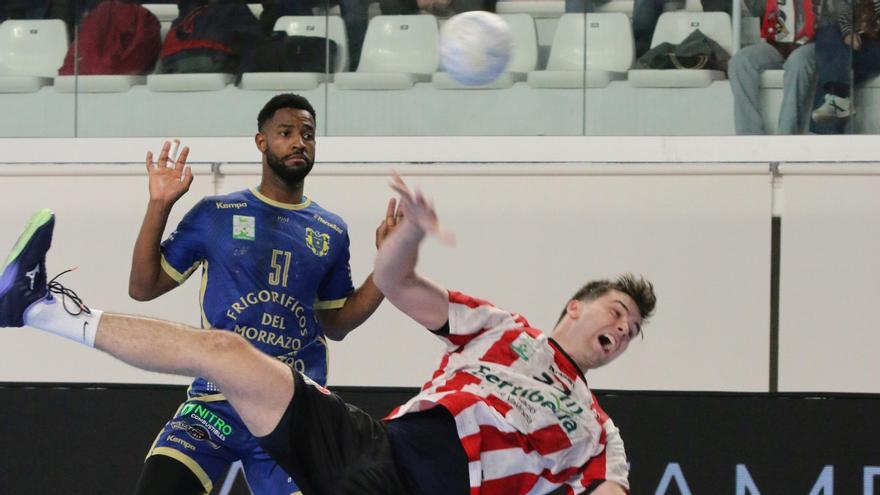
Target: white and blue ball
[[475, 47]]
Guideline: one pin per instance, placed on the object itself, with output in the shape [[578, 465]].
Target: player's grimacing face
[[288, 144], [606, 325]]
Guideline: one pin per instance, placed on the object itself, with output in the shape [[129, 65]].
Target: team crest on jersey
[[524, 345], [318, 242], [244, 227]]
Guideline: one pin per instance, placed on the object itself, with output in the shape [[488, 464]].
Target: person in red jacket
[[787, 32]]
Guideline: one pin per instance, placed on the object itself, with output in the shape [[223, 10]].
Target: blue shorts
[[207, 437]]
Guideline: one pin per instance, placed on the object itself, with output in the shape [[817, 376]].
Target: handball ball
[[475, 47]]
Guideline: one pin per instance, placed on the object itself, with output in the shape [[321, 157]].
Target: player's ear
[[573, 308], [260, 141]]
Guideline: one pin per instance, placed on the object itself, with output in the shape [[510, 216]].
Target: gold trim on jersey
[[187, 461], [334, 304], [205, 398], [205, 322], [176, 275], [279, 204]]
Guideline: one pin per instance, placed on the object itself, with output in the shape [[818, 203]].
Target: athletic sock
[[50, 315]]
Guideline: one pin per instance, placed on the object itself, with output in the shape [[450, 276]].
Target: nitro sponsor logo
[[215, 424], [526, 399], [227, 206]]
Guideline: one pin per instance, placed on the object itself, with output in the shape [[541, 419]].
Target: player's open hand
[[416, 208], [170, 178], [393, 216]]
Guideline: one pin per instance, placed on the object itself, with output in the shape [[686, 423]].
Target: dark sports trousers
[[333, 448]]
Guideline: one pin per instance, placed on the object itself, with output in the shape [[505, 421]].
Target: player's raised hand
[[170, 178], [393, 215], [419, 210]]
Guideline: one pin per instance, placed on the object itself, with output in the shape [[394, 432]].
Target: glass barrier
[[578, 67]]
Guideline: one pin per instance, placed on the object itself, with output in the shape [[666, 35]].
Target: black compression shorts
[[333, 448]]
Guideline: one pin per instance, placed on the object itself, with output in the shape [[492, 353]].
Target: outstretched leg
[[258, 387]]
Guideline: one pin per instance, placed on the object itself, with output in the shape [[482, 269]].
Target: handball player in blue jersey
[[274, 269]]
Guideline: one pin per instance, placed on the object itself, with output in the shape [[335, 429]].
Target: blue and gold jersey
[[266, 266]]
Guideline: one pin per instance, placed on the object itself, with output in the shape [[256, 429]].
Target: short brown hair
[[636, 287]]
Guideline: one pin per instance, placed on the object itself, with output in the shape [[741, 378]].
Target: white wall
[[830, 277], [529, 234]]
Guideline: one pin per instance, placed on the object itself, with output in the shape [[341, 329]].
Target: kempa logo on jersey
[[563, 406], [207, 418], [318, 242], [244, 228], [226, 206]]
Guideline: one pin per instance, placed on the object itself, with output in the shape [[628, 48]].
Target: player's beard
[[291, 176]]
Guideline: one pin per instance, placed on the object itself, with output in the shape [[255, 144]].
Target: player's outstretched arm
[[169, 180], [364, 301], [394, 271]]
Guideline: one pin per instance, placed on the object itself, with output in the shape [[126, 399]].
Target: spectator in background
[[787, 31], [847, 53]]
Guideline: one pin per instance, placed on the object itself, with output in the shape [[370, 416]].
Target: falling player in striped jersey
[[507, 412]]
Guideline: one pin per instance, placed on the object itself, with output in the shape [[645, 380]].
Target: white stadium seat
[[399, 50], [97, 83], [165, 12], [588, 51], [534, 8], [555, 8], [772, 78], [213, 81], [317, 26], [524, 57], [31, 52], [674, 27]]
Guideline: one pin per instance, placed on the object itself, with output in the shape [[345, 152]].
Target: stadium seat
[[399, 50], [534, 8], [165, 12], [772, 79], [609, 46], [674, 27], [97, 83], [555, 8], [523, 59], [317, 26], [31, 52]]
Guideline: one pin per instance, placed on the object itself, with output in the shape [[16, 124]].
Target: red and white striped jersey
[[525, 415]]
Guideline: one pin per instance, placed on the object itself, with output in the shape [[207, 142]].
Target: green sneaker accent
[[38, 220]]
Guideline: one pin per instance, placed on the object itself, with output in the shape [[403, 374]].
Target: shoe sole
[[40, 218]]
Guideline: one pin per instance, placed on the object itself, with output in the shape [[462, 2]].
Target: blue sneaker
[[23, 281]]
